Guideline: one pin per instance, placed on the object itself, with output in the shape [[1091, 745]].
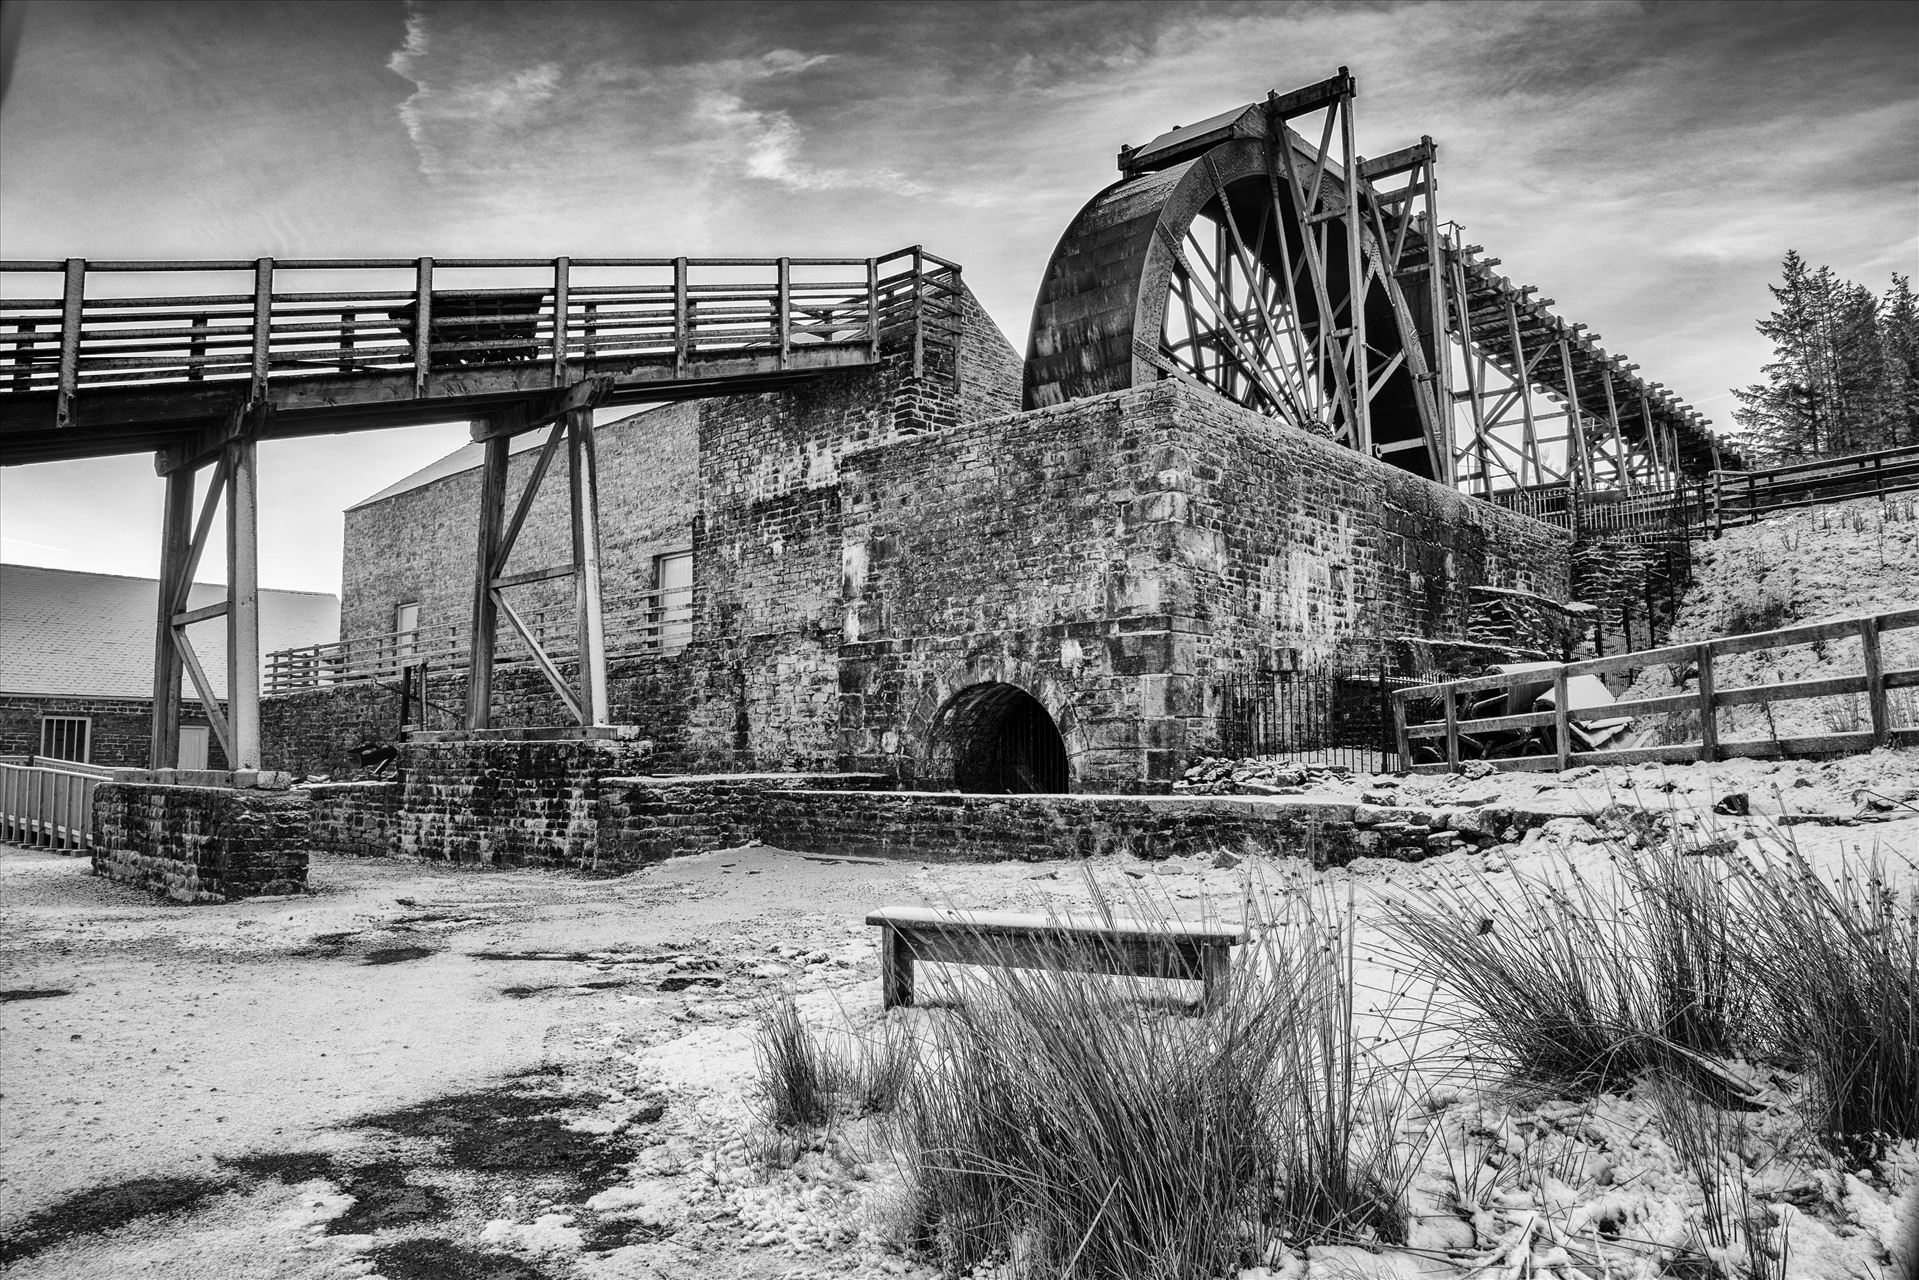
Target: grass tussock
[[1688, 962], [799, 1081], [1063, 1127]]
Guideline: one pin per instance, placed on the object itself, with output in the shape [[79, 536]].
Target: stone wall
[[200, 844], [120, 735], [1112, 556], [354, 819], [503, 799], [645, 819]]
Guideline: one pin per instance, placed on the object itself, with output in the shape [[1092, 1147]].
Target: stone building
[[76, 662], [908, 574]]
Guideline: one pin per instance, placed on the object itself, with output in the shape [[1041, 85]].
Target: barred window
[[65, 737]]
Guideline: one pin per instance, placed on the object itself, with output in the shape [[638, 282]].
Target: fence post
[[682, 318], [919, 315], [71, 303], [1452, 729], [1708, 727], [1562, 719], [1400, 737], [561, 306], [873, 309], [262, 327], [786, 310], [422, 324], [1875, 682]]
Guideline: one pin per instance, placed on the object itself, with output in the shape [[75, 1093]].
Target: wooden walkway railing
[[649, 621], [48, 805], [1874, 681], [1740, 497], [419, 328]]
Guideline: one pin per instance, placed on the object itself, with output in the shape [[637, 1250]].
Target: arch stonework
[[947, 680]]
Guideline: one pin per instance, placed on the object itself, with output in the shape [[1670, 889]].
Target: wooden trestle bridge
[[200, 361], [1291, 275]]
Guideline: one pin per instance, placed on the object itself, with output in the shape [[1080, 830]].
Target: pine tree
[[1831, 386], [1899, 340]]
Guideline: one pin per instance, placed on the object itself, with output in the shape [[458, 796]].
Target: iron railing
[[1316, 713]]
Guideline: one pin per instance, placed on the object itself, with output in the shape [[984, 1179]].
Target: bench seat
[[1093, 944]]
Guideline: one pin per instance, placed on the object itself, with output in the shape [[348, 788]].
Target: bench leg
[[1215, 967], [896, 968]]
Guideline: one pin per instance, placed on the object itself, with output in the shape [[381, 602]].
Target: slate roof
[[91, 634]]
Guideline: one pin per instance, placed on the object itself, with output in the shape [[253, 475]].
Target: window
[[673, 611], [406, 627], [65, 737]]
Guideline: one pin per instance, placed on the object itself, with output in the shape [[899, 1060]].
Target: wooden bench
[[1131, 948]]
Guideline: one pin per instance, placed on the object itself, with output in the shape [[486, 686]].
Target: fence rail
[[646, 622], [48, 806], [1740, 497], [130, 324], [1874, 681]]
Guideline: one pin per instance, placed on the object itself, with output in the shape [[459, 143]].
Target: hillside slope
[[1821, 564]]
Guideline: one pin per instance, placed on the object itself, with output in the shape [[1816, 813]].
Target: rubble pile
[[1258, 776]]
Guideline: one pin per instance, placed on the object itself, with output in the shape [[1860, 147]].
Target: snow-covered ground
[[617, 1016]]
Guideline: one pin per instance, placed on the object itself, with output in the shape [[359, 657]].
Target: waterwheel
[[1226, 255]]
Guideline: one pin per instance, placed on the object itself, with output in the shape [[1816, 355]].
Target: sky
[[1646, 165]]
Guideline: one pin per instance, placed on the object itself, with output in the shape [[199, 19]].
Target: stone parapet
[[200, 844]]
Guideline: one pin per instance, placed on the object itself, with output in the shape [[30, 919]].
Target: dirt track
[[214, 1078]]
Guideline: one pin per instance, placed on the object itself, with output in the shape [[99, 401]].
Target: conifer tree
[[1899, 339], [1841, 377]]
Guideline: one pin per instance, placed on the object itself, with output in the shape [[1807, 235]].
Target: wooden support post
[[873, 309], [485, 621], [1562, 719], [422, 324], [262, 340], [1442, 362], [1529, 450], [1355, 284], [243, 600], [176, 523], [1452, 728], [1612, 423], [72, 304], [561, 305], [1708, 724], [1876, 706], [584, 491]]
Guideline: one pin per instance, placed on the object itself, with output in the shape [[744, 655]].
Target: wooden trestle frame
[[1227, 254]]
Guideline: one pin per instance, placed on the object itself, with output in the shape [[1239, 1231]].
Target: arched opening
[[999, 739]]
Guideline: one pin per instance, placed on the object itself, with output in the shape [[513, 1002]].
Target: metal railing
[[646, 622], [1740, 497], [1456, 732], [48, 806], [130, 324]]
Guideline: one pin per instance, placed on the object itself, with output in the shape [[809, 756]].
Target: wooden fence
[[645, 622], [1873, 681], [48, 805], [1740, 497]]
